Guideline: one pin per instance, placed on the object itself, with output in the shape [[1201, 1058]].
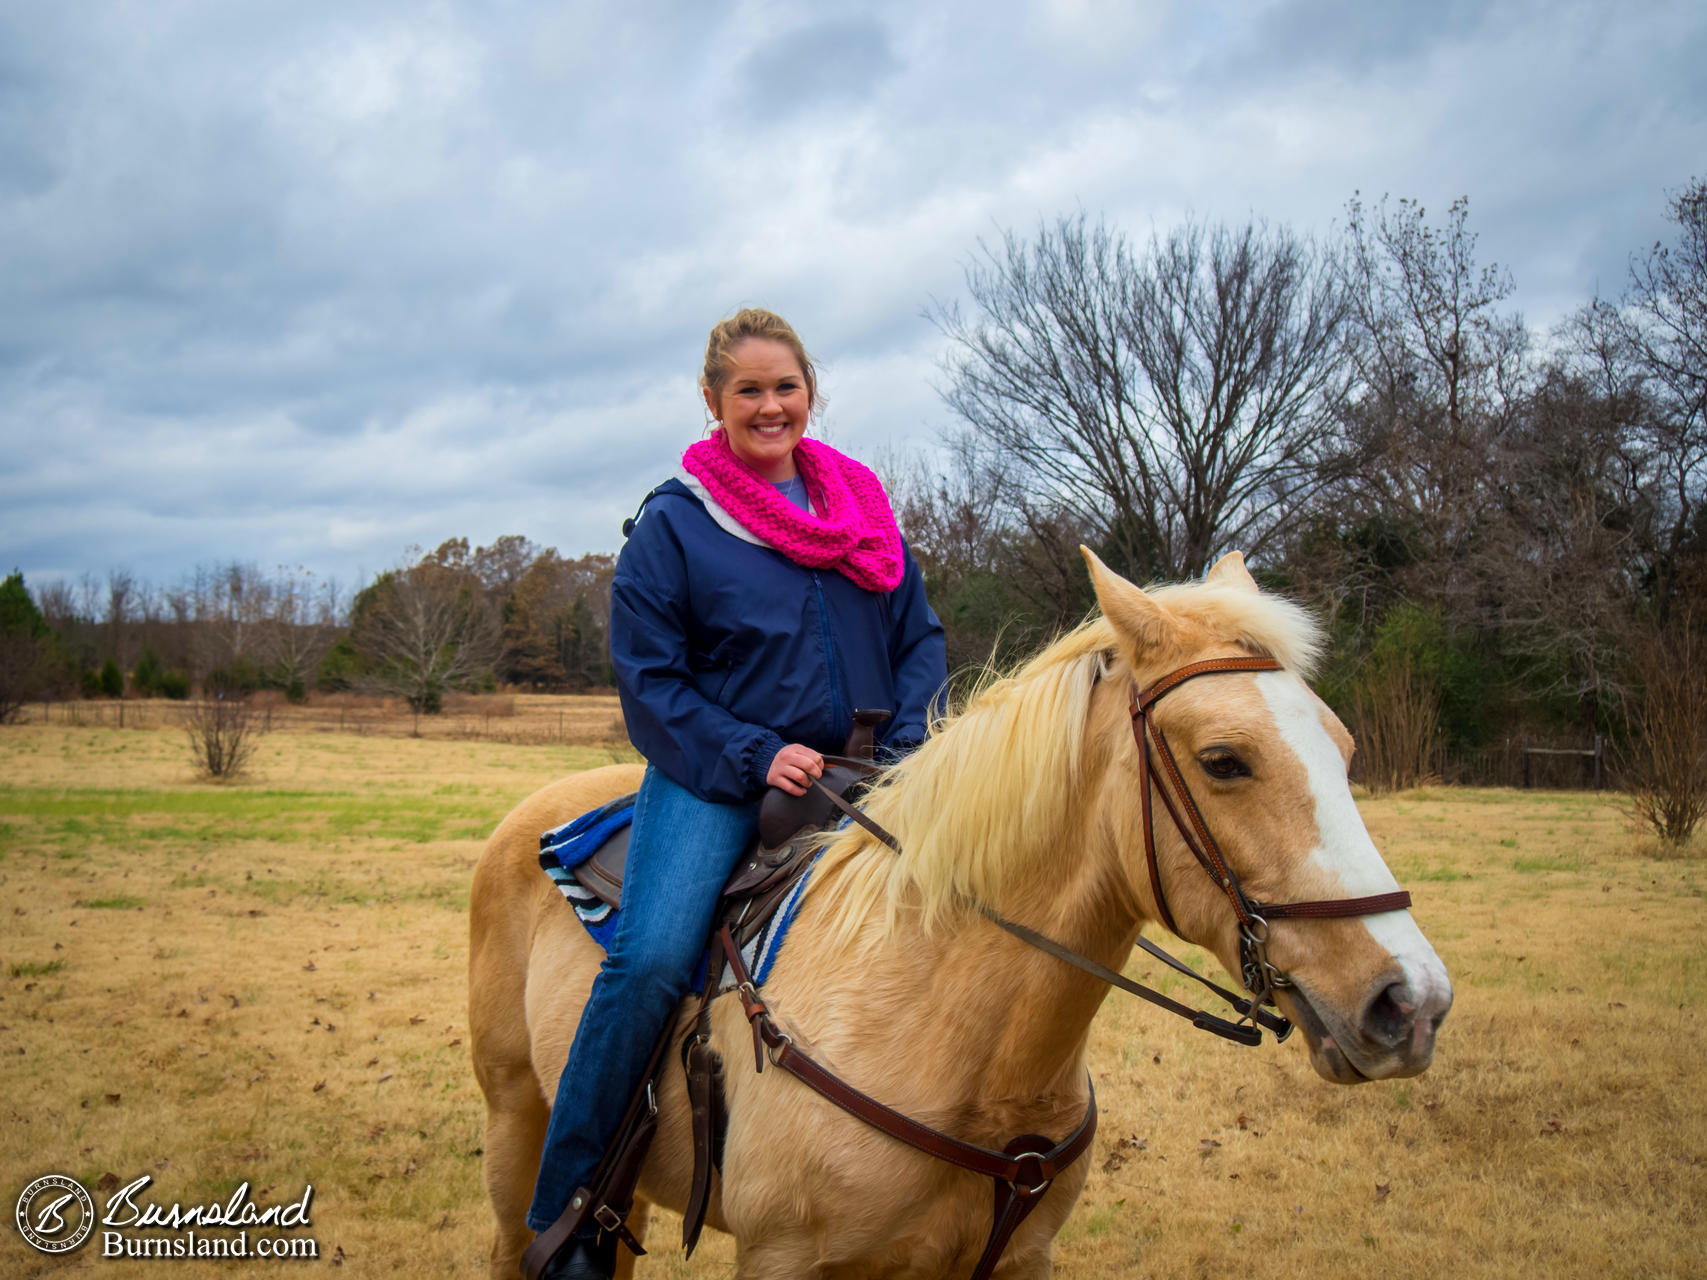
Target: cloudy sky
[[305, 283]]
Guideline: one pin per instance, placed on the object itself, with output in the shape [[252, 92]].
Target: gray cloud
[[307, 283], [834, 62]]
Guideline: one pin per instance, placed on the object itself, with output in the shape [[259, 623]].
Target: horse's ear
[[1231, 570], [1132, 613]]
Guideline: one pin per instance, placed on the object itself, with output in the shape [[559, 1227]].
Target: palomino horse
[[1029, 803]]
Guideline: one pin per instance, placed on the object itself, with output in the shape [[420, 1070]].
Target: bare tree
[[1664, 756], [1175, 400], [1569, 541], [425, 629], [1441, 372], [121, 588], [300, 626], [1666, 312], [229, 604]]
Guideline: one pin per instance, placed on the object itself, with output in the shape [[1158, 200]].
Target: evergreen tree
[[25, 647]]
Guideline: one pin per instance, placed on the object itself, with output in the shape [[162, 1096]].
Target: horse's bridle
[[1259, 974], [1157, 764]]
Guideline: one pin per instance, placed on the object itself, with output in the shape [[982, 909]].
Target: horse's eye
[[1223, 764]]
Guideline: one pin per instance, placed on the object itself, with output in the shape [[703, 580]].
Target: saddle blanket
[[564, 848]]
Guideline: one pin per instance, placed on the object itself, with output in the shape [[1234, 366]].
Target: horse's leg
[[515, 1130], [498, 1035]]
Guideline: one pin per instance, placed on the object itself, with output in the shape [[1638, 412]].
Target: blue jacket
[[725, 651]]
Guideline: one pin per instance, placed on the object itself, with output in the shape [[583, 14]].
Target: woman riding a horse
[[763, 594]]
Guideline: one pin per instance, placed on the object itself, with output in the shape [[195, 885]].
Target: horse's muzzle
[[1391, 1036]]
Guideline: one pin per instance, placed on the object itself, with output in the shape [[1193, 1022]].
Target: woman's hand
[[793, 768]]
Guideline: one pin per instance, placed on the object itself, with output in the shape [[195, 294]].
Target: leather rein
[[1023, 1170]]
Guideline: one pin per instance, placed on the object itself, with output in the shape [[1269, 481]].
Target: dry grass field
[[264, 981]]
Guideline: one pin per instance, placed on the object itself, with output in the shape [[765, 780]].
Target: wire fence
[[1541, 763], [521, 719]]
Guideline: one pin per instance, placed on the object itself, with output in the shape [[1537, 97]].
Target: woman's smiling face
[[763, 405]]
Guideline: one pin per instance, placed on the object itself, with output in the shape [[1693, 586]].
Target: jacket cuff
[[758, 756]]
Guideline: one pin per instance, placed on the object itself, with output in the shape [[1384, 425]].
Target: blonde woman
[[763, 594]]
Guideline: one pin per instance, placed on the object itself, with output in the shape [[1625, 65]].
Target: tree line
[[1503, 530], [457, 617]]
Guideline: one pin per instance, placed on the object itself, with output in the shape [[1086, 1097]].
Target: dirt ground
[[264, 982]]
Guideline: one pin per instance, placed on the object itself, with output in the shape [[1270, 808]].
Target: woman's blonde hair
[[753, 322]]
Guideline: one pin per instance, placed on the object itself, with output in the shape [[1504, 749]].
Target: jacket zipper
[[830, 671]]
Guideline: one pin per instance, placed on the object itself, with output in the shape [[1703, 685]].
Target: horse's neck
[[969, 1012]]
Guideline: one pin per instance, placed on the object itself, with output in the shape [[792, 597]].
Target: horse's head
[[1265, 761]]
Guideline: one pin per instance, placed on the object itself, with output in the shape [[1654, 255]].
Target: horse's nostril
[[1387, 1020]]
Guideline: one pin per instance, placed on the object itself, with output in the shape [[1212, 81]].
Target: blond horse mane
[[993, 788]]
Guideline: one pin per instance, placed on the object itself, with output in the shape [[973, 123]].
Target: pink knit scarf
[[855, 535]]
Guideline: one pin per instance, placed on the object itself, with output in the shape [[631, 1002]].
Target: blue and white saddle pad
[[564, 848]]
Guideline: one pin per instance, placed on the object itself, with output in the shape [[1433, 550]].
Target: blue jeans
[[680, 853]]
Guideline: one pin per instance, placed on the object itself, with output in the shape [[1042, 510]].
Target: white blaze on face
[[1343, 847]]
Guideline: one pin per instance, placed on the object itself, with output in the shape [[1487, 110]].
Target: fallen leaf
[[1244, 1121], [1382, 1190], [309, 967], [384, 1076], [108, 1182], [1207, 1146], [337, 1255], [456, 1042], [317, 1088], [416, 1021], [113, 1099]]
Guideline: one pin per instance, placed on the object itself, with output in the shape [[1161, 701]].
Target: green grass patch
[[119, 902], [1436, 875], [33, 970], [1558, 862], [276, 816]]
